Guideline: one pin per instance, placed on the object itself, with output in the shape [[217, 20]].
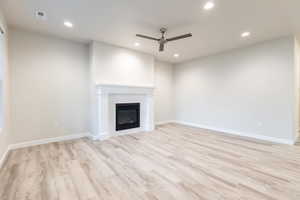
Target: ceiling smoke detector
[[40, 15]]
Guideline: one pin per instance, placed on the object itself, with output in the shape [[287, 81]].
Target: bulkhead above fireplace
[[127, 116]]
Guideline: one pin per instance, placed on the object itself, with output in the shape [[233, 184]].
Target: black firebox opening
[[127, 116]]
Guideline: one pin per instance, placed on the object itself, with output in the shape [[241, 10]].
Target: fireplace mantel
[[123, 89], [123, 85], [108, 95]]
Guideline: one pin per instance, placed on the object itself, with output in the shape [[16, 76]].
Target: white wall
[[248, 90], [116, 65], [50, 81], [120, 66], [297, 91], [5, 101], [163, 93]]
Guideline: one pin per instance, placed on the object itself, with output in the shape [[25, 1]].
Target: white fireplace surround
[[110, 95]]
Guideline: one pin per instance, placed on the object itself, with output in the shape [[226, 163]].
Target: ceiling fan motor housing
[[163, 30]]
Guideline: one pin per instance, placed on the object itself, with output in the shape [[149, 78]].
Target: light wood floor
[[173, 162]]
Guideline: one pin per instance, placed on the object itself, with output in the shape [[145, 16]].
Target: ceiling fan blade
[[180, 37], [147, 37], [1, 30], [161, 47]]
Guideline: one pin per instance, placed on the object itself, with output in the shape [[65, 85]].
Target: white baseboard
[[4, 157], [39, 142], [101, 137], [164, 122], [105, 135], [46, 141], [233, 132]]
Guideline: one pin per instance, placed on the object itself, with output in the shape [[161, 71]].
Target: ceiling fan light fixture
[[209, 5], [137, 44]]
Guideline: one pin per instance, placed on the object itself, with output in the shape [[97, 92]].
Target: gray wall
[[50, 84], [297, 76], [249, 90], [163, 93], [5, 91]]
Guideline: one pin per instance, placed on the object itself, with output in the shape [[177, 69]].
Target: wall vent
[[40, 15]]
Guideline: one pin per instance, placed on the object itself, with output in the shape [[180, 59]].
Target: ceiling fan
[[162, 41]]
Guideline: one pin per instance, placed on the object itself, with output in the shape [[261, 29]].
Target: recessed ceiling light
[[209, 5], [40, 15], [137, 44], [245, 34], [176, 55], [68, 24]]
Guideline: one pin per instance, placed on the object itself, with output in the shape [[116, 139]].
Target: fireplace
[[127, 116], [110, 104]]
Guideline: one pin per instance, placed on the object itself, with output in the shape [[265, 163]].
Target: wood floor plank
[[173, 162]]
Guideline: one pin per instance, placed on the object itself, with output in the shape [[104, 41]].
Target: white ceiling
[[117, 22]]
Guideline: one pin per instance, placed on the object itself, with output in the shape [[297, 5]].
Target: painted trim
[[163, 122], [98, 84], [4, 157], [106, 136], [46, 141], [233, 132], [101, 137], [39, 142]]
